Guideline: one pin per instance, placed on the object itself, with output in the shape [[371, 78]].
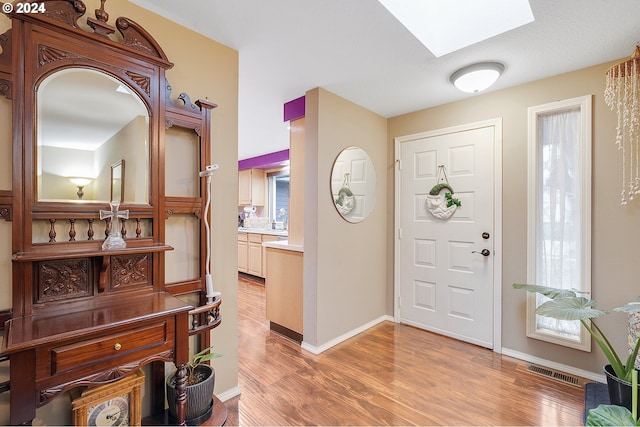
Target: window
[[279, 196], [559, 212]]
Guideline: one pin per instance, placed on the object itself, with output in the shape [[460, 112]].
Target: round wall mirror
[[89, 126], [353, 184]]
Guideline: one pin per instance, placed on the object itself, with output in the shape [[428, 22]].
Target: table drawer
[[92, 352]]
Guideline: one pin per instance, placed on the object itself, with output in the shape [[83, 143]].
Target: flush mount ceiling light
[[475, 78], [445, 26]]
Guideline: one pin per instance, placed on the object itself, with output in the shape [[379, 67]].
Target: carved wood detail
[[102, 377], [5, 63], [63, 279], [5, 88], [138, 38], [65, 11], [6, 205], [144, 82], [187, 102], [130, 270], [6, 213], [48, 54]]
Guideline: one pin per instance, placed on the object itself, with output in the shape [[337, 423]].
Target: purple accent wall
[[294, 109], [265, 161]]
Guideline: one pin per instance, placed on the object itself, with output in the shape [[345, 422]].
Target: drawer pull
[[117, 346]]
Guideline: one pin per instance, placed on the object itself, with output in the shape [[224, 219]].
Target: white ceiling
[[359, 51]]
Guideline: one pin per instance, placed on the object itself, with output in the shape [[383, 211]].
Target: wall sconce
[[80, 182], [475, 78]]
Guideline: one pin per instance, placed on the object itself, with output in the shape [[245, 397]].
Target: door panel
[[446, 284]]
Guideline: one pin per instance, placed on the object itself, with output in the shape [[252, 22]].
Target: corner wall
[[615, 229], [344, 263]]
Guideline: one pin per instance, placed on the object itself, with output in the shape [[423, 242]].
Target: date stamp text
[[36, 7]]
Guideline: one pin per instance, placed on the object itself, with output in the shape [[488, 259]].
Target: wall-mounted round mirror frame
[[87, 122], [353, 184]]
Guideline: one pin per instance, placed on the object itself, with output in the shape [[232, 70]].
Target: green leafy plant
[[452, 200], [615, 415], [610, 415], [565, 304], [194, 376]]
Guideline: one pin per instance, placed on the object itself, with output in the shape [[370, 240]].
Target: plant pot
[[199, 396], [619, 390]]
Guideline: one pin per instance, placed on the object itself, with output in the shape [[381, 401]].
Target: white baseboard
[[226, 395], [344, 337], [556, 366]]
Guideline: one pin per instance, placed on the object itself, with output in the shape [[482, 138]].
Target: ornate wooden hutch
[[83, 315]]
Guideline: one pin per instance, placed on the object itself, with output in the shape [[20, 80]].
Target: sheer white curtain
[[558, 239]]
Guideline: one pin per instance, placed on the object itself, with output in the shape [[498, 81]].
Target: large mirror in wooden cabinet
[[77, 145], [91, 107]]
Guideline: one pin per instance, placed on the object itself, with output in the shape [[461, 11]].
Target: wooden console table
[[95, 345]]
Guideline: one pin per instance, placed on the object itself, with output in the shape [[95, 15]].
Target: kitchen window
[[278, 183]]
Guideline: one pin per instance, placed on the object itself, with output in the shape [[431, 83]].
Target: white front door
[[446, 255]]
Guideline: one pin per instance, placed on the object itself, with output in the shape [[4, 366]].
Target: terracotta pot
[[199, 396], [619, 390]]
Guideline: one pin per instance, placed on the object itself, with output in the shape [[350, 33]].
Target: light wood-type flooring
[[391, 374]]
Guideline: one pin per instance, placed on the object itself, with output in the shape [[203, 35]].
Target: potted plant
[[200, 383], [565, 304], [614, 415]]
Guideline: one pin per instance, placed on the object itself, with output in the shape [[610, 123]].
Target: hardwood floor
[[389, 375]]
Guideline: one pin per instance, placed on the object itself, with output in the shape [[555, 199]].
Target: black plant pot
[[619, 390], [199, 396]]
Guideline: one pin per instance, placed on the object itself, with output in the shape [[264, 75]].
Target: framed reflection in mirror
[[88, 123], [117, 181], [353, 184]]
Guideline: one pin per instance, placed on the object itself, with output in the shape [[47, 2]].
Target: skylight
[[445, 26]]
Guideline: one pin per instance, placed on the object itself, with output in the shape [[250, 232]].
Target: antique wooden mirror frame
[[68, 322]]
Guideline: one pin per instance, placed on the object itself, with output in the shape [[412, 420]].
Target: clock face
[[112, 412]]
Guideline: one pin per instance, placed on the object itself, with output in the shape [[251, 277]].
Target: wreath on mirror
[[442, 207], [346, 201]]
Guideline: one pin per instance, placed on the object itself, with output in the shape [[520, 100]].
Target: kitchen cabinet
[[251, 187], [243, 255], [251, 255], [254, 255], [283, 286], [266, 238]]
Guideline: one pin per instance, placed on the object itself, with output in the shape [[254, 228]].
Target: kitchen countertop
[[268, 231], [284, 245]]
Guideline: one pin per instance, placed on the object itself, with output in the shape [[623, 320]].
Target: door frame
[[497, 217]]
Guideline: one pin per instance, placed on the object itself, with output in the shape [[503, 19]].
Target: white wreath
[[345, 201], [437, 205]]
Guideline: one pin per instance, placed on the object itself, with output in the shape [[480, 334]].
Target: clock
[[114, 404], [112, 412]]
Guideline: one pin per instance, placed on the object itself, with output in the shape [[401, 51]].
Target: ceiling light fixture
[[475, 78]]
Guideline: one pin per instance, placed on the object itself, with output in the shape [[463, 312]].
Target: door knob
[[484, 252]]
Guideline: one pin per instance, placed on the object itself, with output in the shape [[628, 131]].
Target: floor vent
[[555, 375]]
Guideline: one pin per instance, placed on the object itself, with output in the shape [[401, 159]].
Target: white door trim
[[497, 219]]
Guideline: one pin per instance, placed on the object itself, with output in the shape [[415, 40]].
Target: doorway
[[448, 232]]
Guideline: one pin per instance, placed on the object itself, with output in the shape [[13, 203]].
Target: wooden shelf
[[51, 253]]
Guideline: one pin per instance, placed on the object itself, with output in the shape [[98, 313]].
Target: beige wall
[[203, 69], [615, 230], [344, 263]]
